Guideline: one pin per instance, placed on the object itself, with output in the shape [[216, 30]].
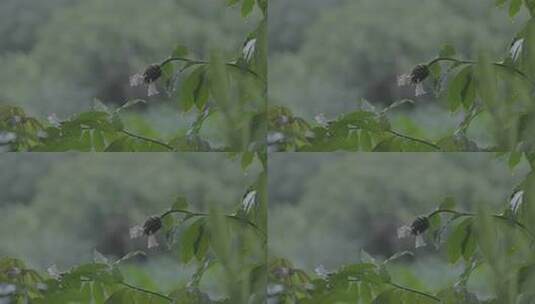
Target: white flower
[[419, 89], [136, 232], [152, 242], [248, 202], [415, 78], [322, 272], [275, 137], [416, 229], [149, 77], [404, 231], [152, 225], [516, 201], [7, 137], [54, 120], [152, 89], [136, 80], [404, 80], [322, 120], [249, 49], [54, 272], [420, 241], [7, 289], [516, 49]]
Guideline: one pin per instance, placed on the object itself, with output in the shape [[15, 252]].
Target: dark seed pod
[[419, 73], [152, 73], [420, 225], [152, 225]]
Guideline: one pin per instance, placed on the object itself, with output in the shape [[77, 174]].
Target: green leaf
[[365, 141], [462, 90], [448, 203], [194, 90], [246, 159], [180, 203], [530, 5], [514, 159], [247, 7], [180, 51], [514, 7], [459, 240], [192, 242], [447, 51]]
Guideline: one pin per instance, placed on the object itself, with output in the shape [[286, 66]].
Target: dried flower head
[[416, 229], [152, 225], [148, 77], [415, 78]]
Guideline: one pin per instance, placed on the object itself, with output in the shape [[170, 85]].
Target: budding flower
[[149, 229], [415, 78], [417, 228], [149, 77]]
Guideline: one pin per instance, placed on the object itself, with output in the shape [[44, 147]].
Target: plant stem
[[430, 296], [191, 62], [432, 145], [471, 62], [497, 216], [148, 292], [415, 291], [151, 140], [199, 214]]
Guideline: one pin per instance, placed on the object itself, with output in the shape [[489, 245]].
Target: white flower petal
[[136, 80], [152, 241], [420, 89], [136, 231], [6, 290], [152, 89], [420, 241], [249, 49], [322, 272], [516, 201], [322, 120], [54, 120], [54, 272], [516, 49], [248, 201], [404, 231], [404, 80]]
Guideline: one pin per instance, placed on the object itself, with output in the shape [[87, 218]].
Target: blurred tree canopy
[[349, 202], [73, 203], [70, 54], [339, 51]]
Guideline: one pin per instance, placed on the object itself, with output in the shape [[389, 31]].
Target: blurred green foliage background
[[327, 207], [58, 56], [58, 208], [325, 56]]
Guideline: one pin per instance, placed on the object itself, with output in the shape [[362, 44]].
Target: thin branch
[[471, 62], [191, 62], [199, 214], [148, 139], [430, 296], [148, 292], [497, 216], [432, 145], [154, 293]]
